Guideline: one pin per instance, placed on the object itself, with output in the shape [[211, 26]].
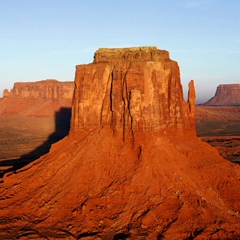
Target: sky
[[46, 39]]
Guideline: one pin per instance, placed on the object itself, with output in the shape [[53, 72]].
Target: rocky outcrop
[[6, 93], [45, 89], [142, 54], [132, 166], [132, 90], [226, 94]]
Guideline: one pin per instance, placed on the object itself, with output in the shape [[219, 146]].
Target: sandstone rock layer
[[132, 166], [131, 90]]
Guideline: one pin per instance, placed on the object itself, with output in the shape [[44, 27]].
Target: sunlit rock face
[[131, 167], [226, 94], [131, 90]]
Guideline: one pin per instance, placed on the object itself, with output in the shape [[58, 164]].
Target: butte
[[131, 166]]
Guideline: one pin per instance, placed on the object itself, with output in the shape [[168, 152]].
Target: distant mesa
[[44, 89], [226, 95], [40, 98]]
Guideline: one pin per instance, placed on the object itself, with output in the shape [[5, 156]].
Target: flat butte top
[[43, 82], [142, 54]]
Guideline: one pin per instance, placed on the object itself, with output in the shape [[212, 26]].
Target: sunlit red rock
[[131, 90], [132, 166]]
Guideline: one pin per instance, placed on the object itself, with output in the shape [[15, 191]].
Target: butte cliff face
[[132, 166], [226, 94], [131, 90]]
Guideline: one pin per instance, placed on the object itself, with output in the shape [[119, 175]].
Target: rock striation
[[132, 90], [131, 167], [226, 94]]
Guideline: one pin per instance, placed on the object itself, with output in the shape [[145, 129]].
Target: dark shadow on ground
[[62, 127]]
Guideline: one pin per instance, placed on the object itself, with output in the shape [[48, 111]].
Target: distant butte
[[131, 167], [226, 95]]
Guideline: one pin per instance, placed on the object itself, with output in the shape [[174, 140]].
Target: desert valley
[[218, 121], [119, 154]]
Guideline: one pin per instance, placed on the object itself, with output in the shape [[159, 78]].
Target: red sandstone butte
[[131, 167], [226, 94]]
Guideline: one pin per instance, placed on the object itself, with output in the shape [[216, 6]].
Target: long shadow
[[62, 127]]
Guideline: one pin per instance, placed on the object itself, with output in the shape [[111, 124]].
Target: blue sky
[[42, 39]]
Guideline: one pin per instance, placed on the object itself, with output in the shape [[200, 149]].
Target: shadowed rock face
[[132, 166], [226, 94]]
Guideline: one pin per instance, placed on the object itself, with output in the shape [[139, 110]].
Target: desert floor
[[220, 127], [24, 139]]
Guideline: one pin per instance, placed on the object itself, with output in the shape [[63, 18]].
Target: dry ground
[[220, 127], [24, 139]]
